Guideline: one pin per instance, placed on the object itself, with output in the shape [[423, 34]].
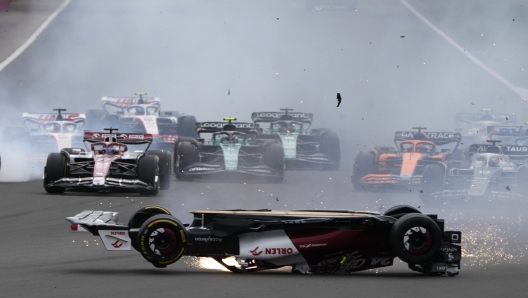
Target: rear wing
[[510, 131], [125, 138], [513, 151], [103, 224], [39, 118], [124, 102], [474, 117], [210, 127], [439, 138], [275, 116]]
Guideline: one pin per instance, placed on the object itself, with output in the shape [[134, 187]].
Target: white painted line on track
[[33, 36], [522, 92]]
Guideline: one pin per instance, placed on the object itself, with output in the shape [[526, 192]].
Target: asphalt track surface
[[39, 257]]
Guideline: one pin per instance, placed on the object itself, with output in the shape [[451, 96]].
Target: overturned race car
[[109, 164], [310, 241]]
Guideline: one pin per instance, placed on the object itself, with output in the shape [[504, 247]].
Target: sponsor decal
[[207, 239], [116, 245], [221, 125], [117, 233], [279, 251], [278, 114], [254, 251], [449, 249], [354, 260], [516, 148], [62, 137], [201, 169], [139, 137], [312, 245], [318, 158], [430, 135]]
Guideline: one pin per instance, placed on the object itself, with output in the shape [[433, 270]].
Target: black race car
[[234, 148], [310, 241], [319, 147]]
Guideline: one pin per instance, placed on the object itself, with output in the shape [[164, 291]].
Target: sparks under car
[[310, 241], [109, 164]]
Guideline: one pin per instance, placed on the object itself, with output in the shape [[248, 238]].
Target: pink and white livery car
[[113, 161], [142, 114]]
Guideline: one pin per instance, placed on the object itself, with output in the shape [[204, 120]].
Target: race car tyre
[[187, 126], [274, 158], [56, 168], [187, 156], [162, 240], [400, 210], [432, 182], [95, 120], [149, 172], [363, 166], [165, 171], [175, 154], [415, 238], [331, 146], [140, 216]]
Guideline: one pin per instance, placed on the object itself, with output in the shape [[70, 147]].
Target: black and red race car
[[310, 241]]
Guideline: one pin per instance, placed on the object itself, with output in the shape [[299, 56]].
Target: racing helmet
[[494, 161]]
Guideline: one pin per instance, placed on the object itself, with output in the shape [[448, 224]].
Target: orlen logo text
[[278, 251]]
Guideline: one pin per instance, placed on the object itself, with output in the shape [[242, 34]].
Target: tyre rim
[[417, 241], [163, 241]]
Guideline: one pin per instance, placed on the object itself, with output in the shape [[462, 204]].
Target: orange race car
[[384, 167]]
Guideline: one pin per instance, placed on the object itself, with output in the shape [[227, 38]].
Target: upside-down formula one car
[[385, 167], [45, 133], [495, 171], [142, 114], [234, 149], [111, 163], [310, 241], [320, 147]]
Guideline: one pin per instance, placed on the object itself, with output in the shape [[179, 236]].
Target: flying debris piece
[[507, 188], [338, 99], [228, 91], [472, 103], [402, 36], [421, 191], [419, 206], [277, 19], [506, 118], [277, 199]]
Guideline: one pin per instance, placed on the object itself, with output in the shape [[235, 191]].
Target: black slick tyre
[[148, 173], [274, 158], [187, 155], [165, 164], [432, 182], [331, 146], [56, 168], [162, 240], [363, 166], [140, 216], [187, 126], [415, 238]]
